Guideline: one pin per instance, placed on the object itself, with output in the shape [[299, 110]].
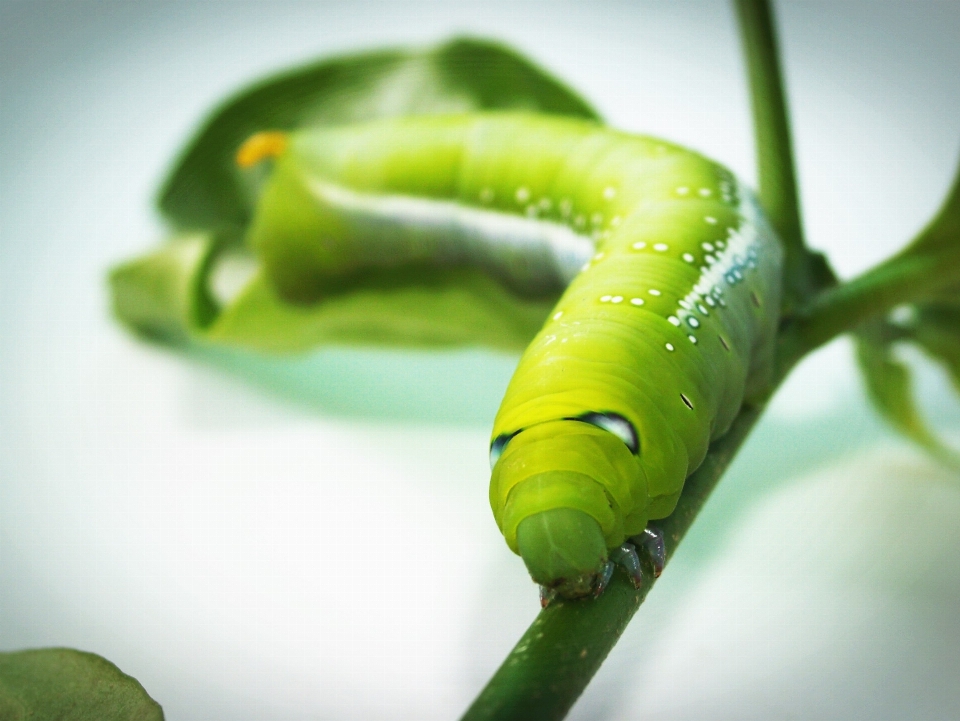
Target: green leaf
[[68, 685], [890, 385], [206, 190], [942, 234], [937, 331], [164, 294], [418, 306]]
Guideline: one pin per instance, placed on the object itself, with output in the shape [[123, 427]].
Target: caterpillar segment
[[667, 286]]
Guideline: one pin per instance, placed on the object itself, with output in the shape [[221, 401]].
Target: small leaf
[[419, 306], [68, 685], [937, 331], [942, 234], [205, 189], [890, 387], [163, 295]]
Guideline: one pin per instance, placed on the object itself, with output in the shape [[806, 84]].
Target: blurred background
[[310, 538]]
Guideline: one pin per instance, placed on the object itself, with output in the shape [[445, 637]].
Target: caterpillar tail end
[[260, 146], [564, 551]]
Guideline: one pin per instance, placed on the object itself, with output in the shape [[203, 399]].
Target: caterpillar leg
[[651, 541], [626, 556]]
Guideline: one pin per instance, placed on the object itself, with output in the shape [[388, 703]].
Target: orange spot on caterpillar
[[268, 144]]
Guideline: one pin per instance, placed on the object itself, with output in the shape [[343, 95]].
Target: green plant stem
[[905, 278], [555, 659], [778, 190]]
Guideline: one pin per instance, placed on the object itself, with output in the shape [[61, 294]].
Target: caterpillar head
[[560, 491]]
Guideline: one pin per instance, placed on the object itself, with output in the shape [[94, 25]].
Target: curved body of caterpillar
[[670, 282]]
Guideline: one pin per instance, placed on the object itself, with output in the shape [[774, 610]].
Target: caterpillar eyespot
[[448, 191], [616, 424], [498, 446]]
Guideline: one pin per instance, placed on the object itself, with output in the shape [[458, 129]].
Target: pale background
[[258, 539]]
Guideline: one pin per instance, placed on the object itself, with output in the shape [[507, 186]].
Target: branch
[[778, 190], [899, 280]]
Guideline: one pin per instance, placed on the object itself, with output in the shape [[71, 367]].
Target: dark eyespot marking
[[686, 401], [613, 423], [496, 448]]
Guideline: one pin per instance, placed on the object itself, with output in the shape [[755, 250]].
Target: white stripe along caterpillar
[[670, 283]]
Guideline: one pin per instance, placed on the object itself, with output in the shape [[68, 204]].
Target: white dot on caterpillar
[[707, 247], [580, 220], [685, 304], [558, 315], [523, 194], [654, 291], [532, 211], [702, 309], [605, 298], [545, 204], [616, 299], [640, 245], [710, 219], [615, 221], [710, 258], [674, 320], [566, 207], [693, 322], [596, 219], [683, 190], [705, 192], [486, 195], [669, 347], [693, 339], [585, 267], [710, 301], [636, 301], [598, 256], [689, 258], [609, 193], [661, 247]]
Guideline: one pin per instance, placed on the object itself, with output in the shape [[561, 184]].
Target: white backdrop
[[310, 538]]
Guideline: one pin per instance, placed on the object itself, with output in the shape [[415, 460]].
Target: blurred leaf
[[68, 685], [890, 385], [937, 331], [163, 294], [417, 306], [206, 190], [942, 234]]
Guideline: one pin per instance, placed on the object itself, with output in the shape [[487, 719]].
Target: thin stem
[[907, 278], [778, 191], [555, 659]]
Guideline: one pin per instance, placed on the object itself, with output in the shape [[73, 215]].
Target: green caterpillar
[[668, 280]]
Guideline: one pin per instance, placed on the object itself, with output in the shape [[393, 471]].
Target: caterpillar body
[[668, 285]]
